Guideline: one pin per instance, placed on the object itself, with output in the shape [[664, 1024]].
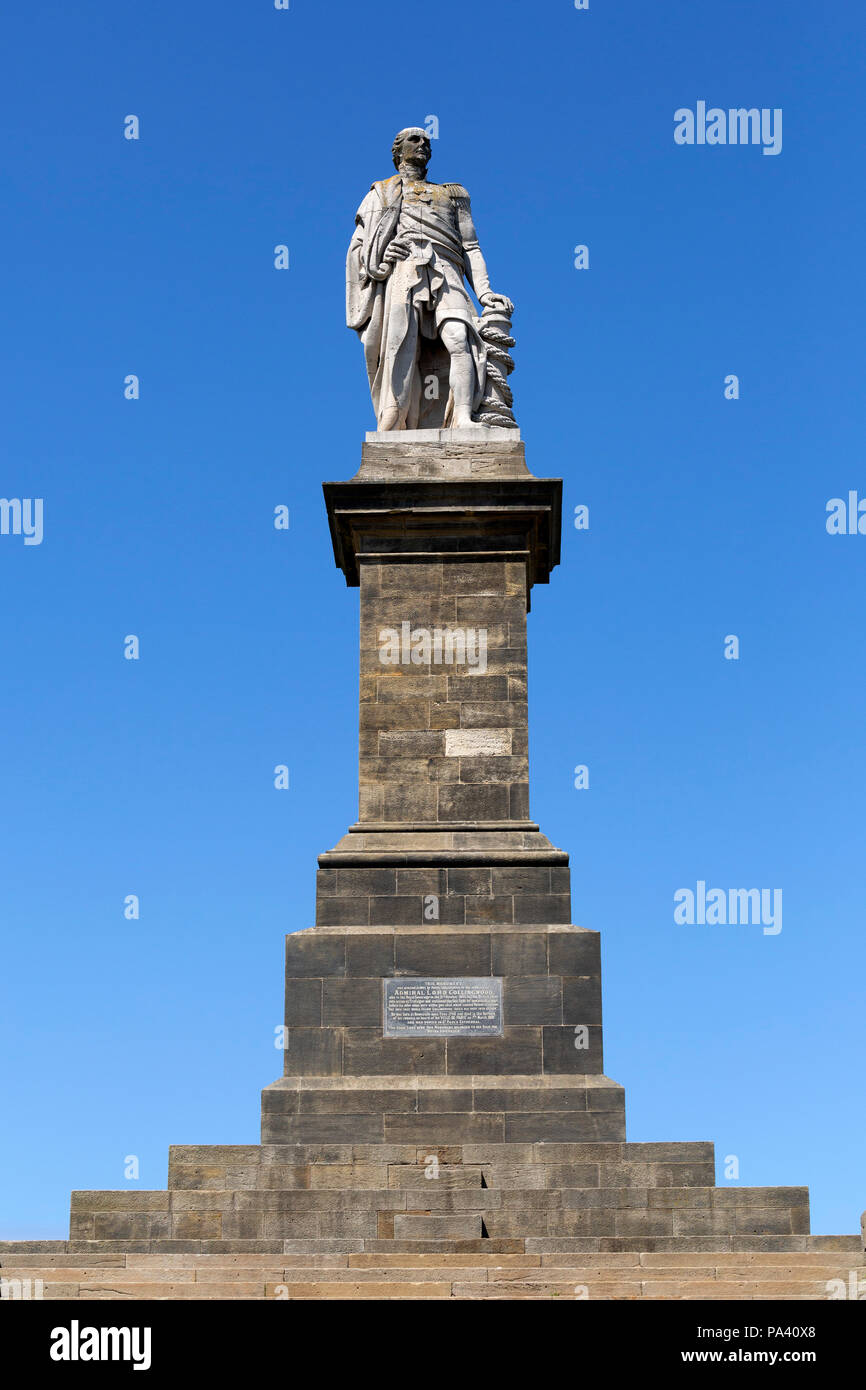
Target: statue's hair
[[397, 147]]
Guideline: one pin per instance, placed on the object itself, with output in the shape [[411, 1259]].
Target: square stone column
[[445, 540]]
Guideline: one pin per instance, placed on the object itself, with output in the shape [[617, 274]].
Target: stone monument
[[443, 1091]]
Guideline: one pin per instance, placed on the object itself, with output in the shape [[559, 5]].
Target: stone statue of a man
[[406, 297]]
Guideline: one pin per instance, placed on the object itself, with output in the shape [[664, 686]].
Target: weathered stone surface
[[458, 1226], [425, 1268]]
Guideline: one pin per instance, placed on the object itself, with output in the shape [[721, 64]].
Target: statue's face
[[416, 149]]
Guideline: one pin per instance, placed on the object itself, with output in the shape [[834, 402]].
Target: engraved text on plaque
[[456, 1007]]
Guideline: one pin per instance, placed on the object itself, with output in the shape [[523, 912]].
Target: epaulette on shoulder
[[455, 190], [384, 185]]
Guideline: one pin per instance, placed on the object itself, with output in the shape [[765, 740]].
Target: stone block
[[533, 999], [437, 1129], [313, 1052], [367, 1053], [490, 769], [459, 803], [561, 1054], [518, 953], [607, 1098], [438, 1100], [370, 955], [415, 1226], [517, 1052], [452, 911], [311, 1129], [394, 911], [304, 1002], [124, 1225], [348, 1223], [412, 744], [488, 911], [197, 1225], [442, 954], [422, 882], [351, 1002], [354, 1101], [419, 801], [444, 715], [398, 686], [123, 1200], [501, 1224], [581, 1000], [522, 880], [562, 1126], [544, 908], [393, 715], [474, 881], [339, 912], [685, 1152], [491, 714], [371, 801], [460, 1175], [291, 1225], [309, 954], [531, 1098], [358, 882], [560, 878], [574, 952]]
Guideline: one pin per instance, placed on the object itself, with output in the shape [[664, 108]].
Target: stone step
[[396, 1257], [403, 1275], [405, 1266], [302, 1154], [113, 1252], [639, 1214], [634, 1291], [385, 1291], [391, 1257], [451, 1194], [446, 1194], [703, 1244], [500, 1174], [437, 1127]]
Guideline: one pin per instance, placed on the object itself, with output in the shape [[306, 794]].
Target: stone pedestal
[[480, 1120], [445, 875]]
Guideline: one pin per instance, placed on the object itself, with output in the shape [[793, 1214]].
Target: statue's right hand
[[397, 251]]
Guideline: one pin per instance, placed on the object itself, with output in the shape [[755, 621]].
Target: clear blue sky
[[707, 517]]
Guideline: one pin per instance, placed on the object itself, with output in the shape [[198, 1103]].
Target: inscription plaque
[[458, 1006]]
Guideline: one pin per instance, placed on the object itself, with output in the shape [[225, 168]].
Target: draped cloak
[[398, 314]]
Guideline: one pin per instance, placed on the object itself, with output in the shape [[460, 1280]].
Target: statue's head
[[411, 146]]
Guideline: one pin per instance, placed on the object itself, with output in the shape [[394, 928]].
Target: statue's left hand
[[496, 301]]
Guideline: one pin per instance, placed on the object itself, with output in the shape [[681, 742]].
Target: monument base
[[327, 1197], [443, 1126], [432, 1110]]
